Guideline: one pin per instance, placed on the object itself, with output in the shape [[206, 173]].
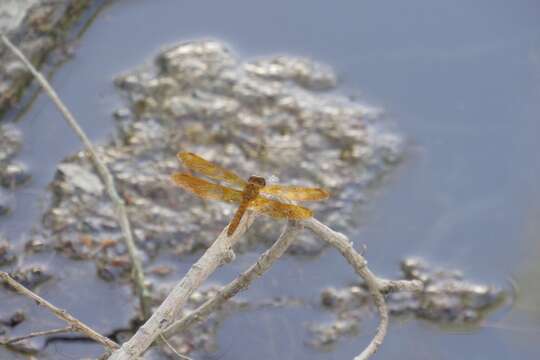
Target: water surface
[[459, 79]]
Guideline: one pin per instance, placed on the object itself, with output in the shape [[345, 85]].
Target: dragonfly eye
[[257, 180]]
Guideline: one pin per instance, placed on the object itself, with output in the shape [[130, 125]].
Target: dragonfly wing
[[213, 171], [298, 193], [280, 210], [205, 189]]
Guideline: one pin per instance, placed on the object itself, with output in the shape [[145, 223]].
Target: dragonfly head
[[257, 181]]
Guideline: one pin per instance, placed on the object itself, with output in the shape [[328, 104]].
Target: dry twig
[[161, 323], [74, 323], [218, 253], [13, 340], [265, 261], [375, 285], [104, 173]]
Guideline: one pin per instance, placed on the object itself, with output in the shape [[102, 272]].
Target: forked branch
[[217, 254], [242, 282], [376, 286], [162, 321]]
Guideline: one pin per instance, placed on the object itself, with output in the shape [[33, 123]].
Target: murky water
[[460, 81]]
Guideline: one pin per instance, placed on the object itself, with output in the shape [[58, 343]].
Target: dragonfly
[[249, 193]]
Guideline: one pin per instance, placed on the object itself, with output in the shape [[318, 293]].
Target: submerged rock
[[31, 277], [13, 319], [6, 254], [324, 336], [446, 298], [11, 174], [5, 206], [14, 175], [10, 143], [252, 117]]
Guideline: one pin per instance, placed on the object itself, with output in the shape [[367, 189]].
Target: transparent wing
[[213, 171], [205, 189], [279, 210], [298, 193]]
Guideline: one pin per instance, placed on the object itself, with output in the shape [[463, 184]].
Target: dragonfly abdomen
[[237, 217]]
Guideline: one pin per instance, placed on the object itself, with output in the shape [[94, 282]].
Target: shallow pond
[[459, 81]]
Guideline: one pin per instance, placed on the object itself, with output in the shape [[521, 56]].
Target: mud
[[252, 117], [447, 299], [275, 117], [37, 27], [12, 173], [31, 277], [7, 257]]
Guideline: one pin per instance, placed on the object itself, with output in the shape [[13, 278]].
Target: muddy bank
[[37, 27], [269, 116], [275, 117], [447, 299], [12, 173]]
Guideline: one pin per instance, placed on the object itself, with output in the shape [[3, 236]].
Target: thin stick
[[66, 329], [161, 321], [106, 177], [217, 254], [265, 261], [181, 356], [74, 323], [357, 261]]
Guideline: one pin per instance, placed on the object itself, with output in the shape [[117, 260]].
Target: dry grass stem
[[104, 173]]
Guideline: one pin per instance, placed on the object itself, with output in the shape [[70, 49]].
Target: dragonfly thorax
[[257, 181]]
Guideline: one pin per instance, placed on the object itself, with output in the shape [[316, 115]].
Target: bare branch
[[104, 173], [375, 285], [66, 329], [265, 261], [357, 261], [217, 254], [161, 322], [220, 252], [74, 323]]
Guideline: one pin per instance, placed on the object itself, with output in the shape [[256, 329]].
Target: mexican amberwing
[[248, 197]]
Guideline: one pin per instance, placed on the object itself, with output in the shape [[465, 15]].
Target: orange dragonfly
[[248, 197]]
